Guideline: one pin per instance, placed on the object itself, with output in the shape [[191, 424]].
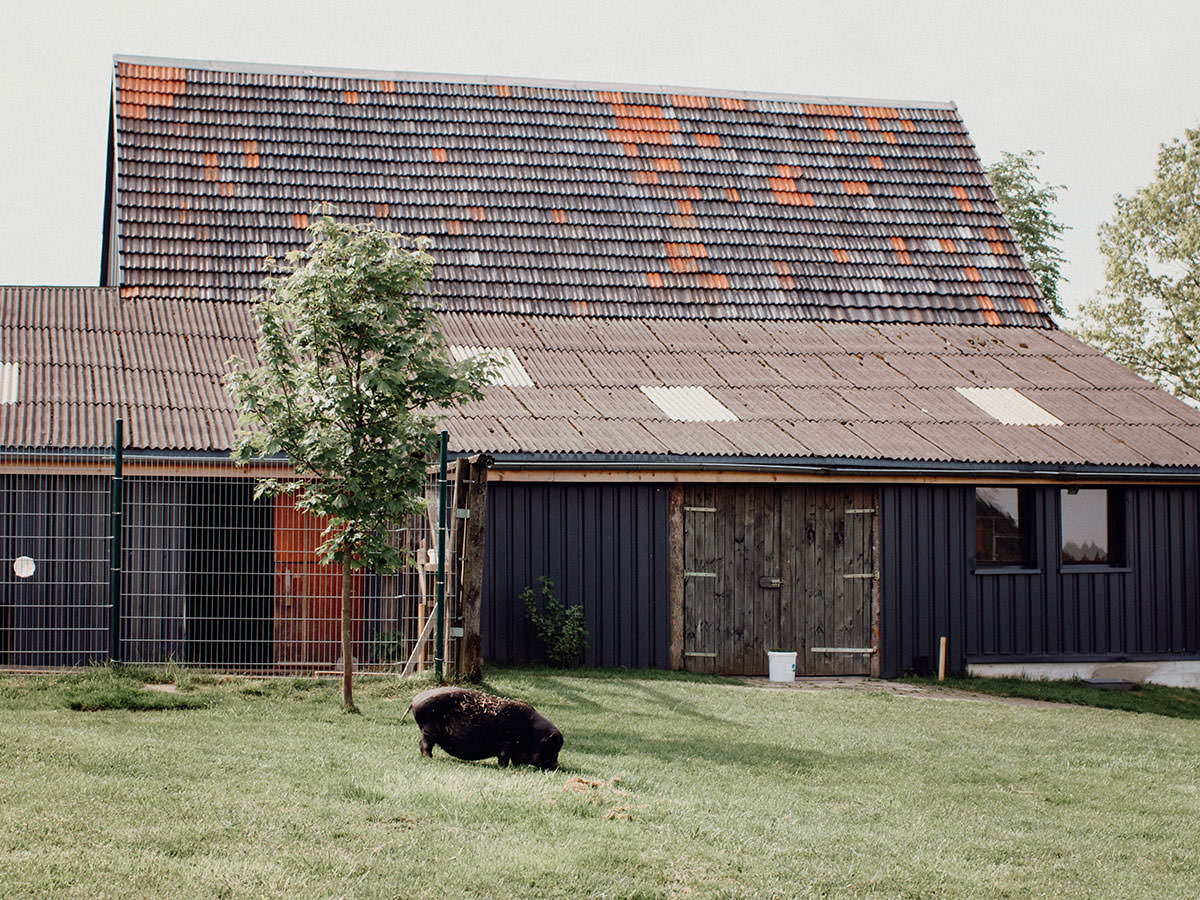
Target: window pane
[[1001, 535], [1085, 526]]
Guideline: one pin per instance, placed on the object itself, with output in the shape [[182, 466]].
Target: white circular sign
[[24, 566]]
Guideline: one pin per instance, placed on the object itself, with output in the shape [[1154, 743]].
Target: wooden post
[[471, 585], [454, 559], [424, 611], [675, 576], [876, 587], [942, 659], [438, 657]]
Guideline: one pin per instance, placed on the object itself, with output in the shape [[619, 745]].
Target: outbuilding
[[776, 373]]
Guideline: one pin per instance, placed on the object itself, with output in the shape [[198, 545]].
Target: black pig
[[474, 725]]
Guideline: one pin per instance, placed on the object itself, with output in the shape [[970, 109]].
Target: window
[[1093, 526], [1004, 526]]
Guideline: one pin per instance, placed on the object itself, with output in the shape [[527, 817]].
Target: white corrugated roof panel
[[10, 382], [509, 371], [688, 404], [1008, 405]]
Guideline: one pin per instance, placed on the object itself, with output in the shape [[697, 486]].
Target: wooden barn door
[[768, 567]]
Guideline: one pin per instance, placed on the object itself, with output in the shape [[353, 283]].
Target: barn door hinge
[[874, 575], [699, 574], [860, 512], [866, 651], [699, 509]]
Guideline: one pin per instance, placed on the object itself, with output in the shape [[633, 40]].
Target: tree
[[350, 374], [1028, 205], [1148, 314]]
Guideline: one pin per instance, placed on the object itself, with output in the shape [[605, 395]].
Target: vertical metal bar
[[439, 646], [114, 576]]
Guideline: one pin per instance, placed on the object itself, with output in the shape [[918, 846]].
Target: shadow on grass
[[757, 757], [1157, 699]]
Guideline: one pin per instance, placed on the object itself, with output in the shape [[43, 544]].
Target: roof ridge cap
[[252, 68]]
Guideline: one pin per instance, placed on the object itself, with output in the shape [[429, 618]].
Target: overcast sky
[[1097, 86]]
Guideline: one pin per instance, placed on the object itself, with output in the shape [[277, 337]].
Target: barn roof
[[73, 359], [545, 197], [668, 276]]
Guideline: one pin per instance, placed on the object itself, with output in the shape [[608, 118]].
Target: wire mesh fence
[[55, 541], [209, 576]]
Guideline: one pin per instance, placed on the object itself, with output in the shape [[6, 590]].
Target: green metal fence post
[[114, 575], [439, 648]]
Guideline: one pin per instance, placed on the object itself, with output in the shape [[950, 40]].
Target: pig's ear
[[553, 741]]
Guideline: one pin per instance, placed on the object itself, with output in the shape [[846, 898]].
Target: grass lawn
[[671, 787], [1144, 698]]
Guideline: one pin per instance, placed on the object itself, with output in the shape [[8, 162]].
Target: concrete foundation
[[1173, 673]]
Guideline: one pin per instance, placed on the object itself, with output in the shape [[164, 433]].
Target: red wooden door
[[308, 595]]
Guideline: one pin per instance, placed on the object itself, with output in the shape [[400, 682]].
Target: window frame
[[1030, 562], [1118, 542]]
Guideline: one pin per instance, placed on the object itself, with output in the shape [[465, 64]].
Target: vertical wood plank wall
[[1149, 608], [605, 546]]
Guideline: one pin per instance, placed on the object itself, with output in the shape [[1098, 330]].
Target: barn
[[776, 373]]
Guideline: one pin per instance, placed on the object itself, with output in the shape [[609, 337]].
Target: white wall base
[[1173, 673]]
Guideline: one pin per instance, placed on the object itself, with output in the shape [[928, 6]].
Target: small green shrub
[[561, 628]]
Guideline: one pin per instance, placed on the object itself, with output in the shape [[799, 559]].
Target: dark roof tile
[[553, 199]]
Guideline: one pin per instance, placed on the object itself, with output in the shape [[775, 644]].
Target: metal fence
[[207, 576]]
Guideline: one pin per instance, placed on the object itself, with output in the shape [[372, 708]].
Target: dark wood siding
[[154, 587], [59, 615], [605, 546], [229, 574], [1148, 608]]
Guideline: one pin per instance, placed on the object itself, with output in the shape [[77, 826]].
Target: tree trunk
[[347, 658]]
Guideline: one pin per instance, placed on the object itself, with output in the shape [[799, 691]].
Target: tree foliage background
[[1148, 315], [1028, 204]]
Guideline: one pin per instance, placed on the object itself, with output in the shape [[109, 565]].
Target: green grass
[[1181, 703], [671, 787]]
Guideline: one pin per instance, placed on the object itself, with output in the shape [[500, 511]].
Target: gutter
[[830, 469]]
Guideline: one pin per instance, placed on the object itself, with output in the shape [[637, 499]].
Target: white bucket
[[781, 665]]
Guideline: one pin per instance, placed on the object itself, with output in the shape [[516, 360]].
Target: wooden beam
[[876, 590], [471, 585], [675, 576]]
